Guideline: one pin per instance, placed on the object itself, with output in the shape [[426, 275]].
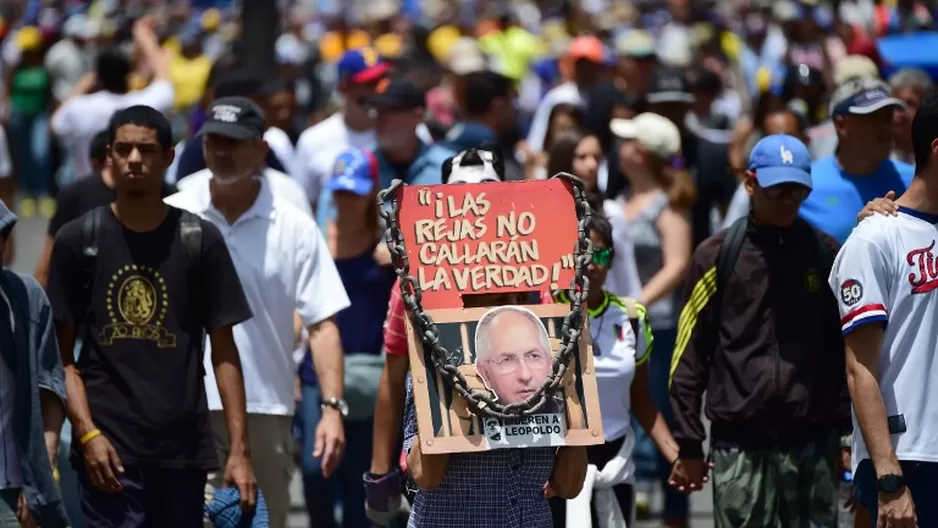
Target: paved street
[[30, 236]]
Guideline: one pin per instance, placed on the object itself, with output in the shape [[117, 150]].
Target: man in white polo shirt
[[284, 267], [886, 282]]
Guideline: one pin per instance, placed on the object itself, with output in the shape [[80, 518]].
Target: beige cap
[[656, 133], [855, 67]]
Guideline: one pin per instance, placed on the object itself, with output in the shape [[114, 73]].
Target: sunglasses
[[797, 193], [602, 256]]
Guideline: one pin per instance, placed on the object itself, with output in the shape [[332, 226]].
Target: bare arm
[[53, 416], [676, 244], [42, 267], [650, 417], [228, 373], [153, 56], [862, 348], [389, 409], [79, 413], [569, 471], [326, 346]]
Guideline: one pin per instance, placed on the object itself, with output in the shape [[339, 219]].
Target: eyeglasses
[[508, 364], [602, 256], [793, 191]]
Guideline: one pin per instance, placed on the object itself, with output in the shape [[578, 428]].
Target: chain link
[[478, 401]]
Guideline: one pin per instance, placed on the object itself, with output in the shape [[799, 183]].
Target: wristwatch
[[336, 404], [890, 483]]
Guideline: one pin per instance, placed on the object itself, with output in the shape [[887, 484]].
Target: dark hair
[[925, 130], [601, 226], [562, 150], [482, 88], [142, 116], [563, 108], [707, 83], [97, 151], [112, 67], [221, 67]]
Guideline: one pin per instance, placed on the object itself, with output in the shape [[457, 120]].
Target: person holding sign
[[502, 487], [513, 353], [622, 343]]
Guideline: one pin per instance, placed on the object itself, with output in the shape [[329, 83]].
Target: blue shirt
[[361, 325], [838, 197]]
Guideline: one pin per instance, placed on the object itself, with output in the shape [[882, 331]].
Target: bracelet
[[90, 436]]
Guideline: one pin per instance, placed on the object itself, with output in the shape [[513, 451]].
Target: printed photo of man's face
[[513, 353]]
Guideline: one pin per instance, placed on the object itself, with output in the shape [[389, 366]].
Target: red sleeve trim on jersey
[[865, 314]]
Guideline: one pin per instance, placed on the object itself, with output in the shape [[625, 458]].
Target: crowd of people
[[215, 308]]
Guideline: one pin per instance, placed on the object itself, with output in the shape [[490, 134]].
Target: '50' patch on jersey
[[851, 291]]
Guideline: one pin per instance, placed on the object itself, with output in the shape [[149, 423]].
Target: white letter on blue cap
[[787, 156]]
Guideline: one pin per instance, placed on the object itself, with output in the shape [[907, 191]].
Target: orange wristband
[[90, 436]]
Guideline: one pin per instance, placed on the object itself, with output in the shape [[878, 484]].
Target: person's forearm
[[326, 347], [230, 380], [871, 417], [153, 55], [653, 422], [79, 413], [569, 471], [663, 283], [53, 416], [387, 423]]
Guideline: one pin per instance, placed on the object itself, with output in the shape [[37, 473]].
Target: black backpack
[[736, 234], [190, 229]]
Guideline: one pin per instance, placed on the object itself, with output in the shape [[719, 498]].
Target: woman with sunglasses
[[622, 344]]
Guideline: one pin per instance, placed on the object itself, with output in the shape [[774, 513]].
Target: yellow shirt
[[189, 77]]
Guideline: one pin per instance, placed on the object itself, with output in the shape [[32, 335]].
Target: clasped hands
[[689, 474]]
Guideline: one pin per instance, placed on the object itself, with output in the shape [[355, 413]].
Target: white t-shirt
[[279, 142], [318, 148], [886, 273], [284, 266], [281, 185], [80, 119], [617, 351]]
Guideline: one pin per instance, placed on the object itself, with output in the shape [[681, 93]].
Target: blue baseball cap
[[355, 171], [861, 97], [781, 158], [361, 65]]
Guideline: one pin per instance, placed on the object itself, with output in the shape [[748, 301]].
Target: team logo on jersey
[[851, 291], [924, 277]]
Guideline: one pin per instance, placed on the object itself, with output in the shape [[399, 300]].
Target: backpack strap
[[729, 251], [190, 231], [91, 229]]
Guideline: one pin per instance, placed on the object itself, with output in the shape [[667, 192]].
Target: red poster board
[[490, 238]]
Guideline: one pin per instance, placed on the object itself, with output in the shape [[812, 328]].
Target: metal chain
[[480, 402]]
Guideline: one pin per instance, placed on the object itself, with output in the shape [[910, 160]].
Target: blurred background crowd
[[541, 78]]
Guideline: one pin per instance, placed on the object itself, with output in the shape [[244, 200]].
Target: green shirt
[[30, 90]]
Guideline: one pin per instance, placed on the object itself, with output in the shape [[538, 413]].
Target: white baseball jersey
[[887, 272]]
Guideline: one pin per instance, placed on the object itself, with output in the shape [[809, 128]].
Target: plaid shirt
[[501, 488]]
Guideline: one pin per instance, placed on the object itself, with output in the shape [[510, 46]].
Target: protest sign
[[507, 351], [494, 238]]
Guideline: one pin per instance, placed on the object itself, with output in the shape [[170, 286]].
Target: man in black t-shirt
[[79, 197], [136, 398]]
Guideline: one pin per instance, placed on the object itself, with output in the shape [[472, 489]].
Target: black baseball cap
[[669, 85], [399, 93], [234, 117]]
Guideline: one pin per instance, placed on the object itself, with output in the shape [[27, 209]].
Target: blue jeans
[[920, 477], [346, 483], [649, 464], [30, 142]]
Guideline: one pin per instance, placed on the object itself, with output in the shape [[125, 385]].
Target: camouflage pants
[[793, 488]]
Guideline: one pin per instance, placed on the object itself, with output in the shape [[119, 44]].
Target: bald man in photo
[[513, 352]]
